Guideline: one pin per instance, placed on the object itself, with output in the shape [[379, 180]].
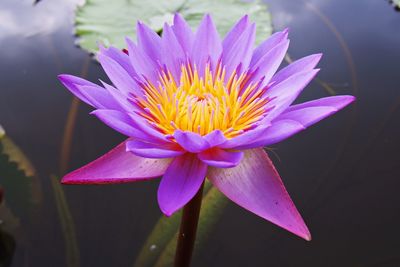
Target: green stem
[[187, 231]]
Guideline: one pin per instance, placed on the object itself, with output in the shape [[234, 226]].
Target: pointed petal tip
[[167, 213], [308, 237], [350, 98], [286, 30], [64, 77], [61, 77], [244, 19]]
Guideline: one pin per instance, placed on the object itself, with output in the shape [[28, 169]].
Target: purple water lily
[[194, 106]]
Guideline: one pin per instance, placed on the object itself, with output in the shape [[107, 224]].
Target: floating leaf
[[67, 224], [109, 22]]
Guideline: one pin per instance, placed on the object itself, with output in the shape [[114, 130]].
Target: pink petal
[[117, 166], [221, 158], [256, 186], [180, 183], [155, 151]]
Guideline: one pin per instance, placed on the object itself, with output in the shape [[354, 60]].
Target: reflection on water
[[342, 173]]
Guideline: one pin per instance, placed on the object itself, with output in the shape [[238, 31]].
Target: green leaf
[[67, 224], [2, 132], [15, 181], [396, 3], [109, 22]]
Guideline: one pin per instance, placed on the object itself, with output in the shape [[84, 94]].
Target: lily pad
[[109, 22]]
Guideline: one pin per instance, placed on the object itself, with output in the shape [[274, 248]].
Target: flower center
[[202, 104]]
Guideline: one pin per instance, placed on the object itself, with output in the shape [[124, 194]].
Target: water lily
[[195, 106]]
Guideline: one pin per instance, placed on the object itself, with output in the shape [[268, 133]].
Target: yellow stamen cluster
[[202, 105]]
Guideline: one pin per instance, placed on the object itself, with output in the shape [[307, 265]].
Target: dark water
[[343, 174]]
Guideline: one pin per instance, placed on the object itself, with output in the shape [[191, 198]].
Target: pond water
[[343, 174]]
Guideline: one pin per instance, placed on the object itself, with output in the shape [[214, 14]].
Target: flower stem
[[187, 231]]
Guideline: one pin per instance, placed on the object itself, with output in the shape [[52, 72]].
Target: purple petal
[[183, 33], [120, 57], [148, 41], [122, 99], [180, 183], [99, 97], [118, 75], [303, 64], [154, 136], [120, 121], [267, 45], [215, 138], [74, 84], [284, 93], [234, 34], [173, 60], [150, 150], [117, 166], [245, 138], [206, 45], [144, 65], [239, 51], [277, 132], [312, 112], [256, 186], [221, 158], [191, 142], [268, 64], [337, 102]]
